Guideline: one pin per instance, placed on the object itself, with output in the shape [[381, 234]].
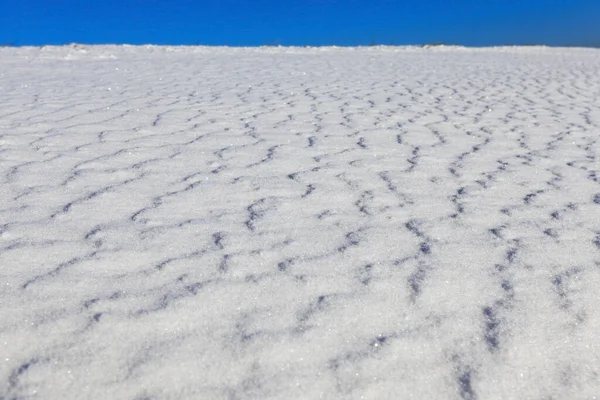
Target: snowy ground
[[299, 223]]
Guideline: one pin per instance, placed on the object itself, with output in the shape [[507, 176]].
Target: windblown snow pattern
[[279, 223]]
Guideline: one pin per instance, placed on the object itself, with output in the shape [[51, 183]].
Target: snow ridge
[[299, 223]]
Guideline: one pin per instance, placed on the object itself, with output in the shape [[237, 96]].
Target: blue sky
[[301, 22]]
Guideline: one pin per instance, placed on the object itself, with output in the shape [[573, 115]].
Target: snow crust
[[224, 223]]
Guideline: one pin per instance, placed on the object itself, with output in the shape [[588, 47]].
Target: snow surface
[[180, 222]]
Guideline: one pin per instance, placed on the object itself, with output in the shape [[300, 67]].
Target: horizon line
[[11, 44]]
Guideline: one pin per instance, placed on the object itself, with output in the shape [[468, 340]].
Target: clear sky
[[301, 22]]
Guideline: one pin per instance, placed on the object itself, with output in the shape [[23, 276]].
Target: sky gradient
[[298, 23]]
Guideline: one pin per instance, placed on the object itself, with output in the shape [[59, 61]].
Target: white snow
[[191, 222]]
